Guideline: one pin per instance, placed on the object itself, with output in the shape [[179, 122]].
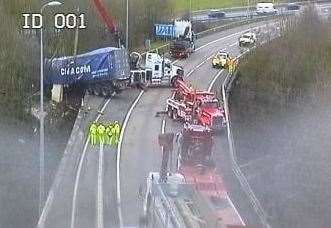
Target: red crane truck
[[196, 106]]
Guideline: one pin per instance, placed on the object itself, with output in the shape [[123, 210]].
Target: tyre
[[173, 81]]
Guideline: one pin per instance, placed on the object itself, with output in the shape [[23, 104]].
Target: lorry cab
[[265, 8], [161, 71], [211, 114]]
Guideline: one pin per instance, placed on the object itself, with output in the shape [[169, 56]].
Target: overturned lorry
[[101, 72], [106, 71]]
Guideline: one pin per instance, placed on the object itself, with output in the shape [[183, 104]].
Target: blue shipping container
[[99, 65]]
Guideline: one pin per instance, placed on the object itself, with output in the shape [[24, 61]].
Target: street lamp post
[[190, 10], [127, 26], [42, 116]]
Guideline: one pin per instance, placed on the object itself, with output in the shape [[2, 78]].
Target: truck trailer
[[102, 71]]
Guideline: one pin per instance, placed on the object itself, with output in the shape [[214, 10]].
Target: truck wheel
[[173, 81], [169, 112]]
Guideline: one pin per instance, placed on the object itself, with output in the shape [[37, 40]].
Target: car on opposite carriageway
[[215, 13]]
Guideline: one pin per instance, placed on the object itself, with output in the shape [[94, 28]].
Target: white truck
[[184, 43], [157, 71], [265, 8]]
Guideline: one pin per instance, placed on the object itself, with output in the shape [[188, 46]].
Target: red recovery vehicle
[[195, 106], [195, 163], [195, 194]]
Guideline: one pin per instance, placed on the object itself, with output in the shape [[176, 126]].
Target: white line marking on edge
[[163, 126], [100, 223], [79, 170], [214, 80], [232, 205], [119, 149], [44, 213], [73, 209]]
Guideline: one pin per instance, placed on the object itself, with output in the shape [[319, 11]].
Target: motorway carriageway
[[98, 186]]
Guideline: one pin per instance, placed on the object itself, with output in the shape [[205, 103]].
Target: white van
[[265, 8]]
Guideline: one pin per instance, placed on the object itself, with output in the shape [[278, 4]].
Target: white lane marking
[[119, 149], [73, 209], [100, 223], [222, 38], [214, 80], [163, 126], [44, 213], [189, 73], [79, 170], [234, 44], [232, 205]]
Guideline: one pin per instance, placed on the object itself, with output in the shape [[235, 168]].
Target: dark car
[[293, 6], [216, 14]]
